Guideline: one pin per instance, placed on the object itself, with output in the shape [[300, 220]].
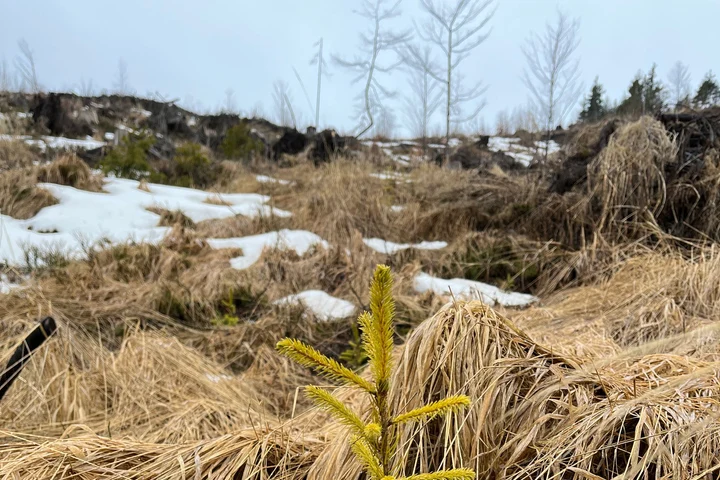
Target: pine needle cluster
[[374, 442]]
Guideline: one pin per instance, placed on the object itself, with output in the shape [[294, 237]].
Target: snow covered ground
[[6, 286], [323, 306], [120, 215], [389, 248], [301, 241], [511, 147], [266, 179], [470, 290], [45, 142]]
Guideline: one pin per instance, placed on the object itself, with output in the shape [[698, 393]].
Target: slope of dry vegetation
[[613, 375]]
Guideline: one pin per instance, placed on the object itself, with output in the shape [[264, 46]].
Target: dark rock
[[55, 113], [483, 142], [291, 143], [478, 157], [328, 144]]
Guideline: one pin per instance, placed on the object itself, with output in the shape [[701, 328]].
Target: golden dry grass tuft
[[16, 154], [70, 170], [612, 375]]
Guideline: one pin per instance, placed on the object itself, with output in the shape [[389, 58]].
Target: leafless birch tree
[[5, 79], [25, 65], [679, 81], [122, 85], [283, 106], [376, 41], [553, 74], [425, 95], [86, 88], [319, 60], [456, 29]]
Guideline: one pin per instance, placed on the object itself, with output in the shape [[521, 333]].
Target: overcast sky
[[195, 50]]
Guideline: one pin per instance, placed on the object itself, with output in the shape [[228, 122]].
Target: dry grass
[[15, 154], [19, 195], [612, 375], [71, 171]]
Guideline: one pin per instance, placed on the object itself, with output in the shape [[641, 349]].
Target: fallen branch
[[22, 353]]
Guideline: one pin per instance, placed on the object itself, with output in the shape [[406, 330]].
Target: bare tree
[[25, 65], [456, 29], [285, 115], [478, 126], [319, 59], [424, 96], [386, 124], [230, 104], [373, 43], [553, 74], [5, 79], [679, 80], [502, 123], [122, 85], [86, 88]]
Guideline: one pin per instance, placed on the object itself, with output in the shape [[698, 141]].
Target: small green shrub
[[239, 145], [129, 159], [192, 167]]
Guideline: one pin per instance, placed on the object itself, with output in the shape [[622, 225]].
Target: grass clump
[[71, 171], [374, 442], [239, 145], [19, 195], [15, 154]]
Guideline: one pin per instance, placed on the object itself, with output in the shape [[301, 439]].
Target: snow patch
[[323, 306], [471, 290], [390, 248], [45, 142], [6, 286], [120, 215], [397, 208], [253, 246], [266, 179], [109, 136], [389, 176]]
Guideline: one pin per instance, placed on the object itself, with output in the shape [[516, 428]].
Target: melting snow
[[323, 306], [109, 136], [471, 290], [6, 286], [266, 179], [389, 176], [56, 142], [525, 155], [299, 240], [120, 215], [397, 208], [390, 248]]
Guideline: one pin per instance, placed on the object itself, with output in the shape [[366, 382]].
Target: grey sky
[[196, 50]]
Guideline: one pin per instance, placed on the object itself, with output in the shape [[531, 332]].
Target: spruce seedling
[[373, 442]]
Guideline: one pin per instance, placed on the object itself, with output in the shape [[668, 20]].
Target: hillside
[[572, 298]]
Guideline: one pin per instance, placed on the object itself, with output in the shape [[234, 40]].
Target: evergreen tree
[[708, 93], [633, 103], [646, 95], [594, 107], [653, 93]]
